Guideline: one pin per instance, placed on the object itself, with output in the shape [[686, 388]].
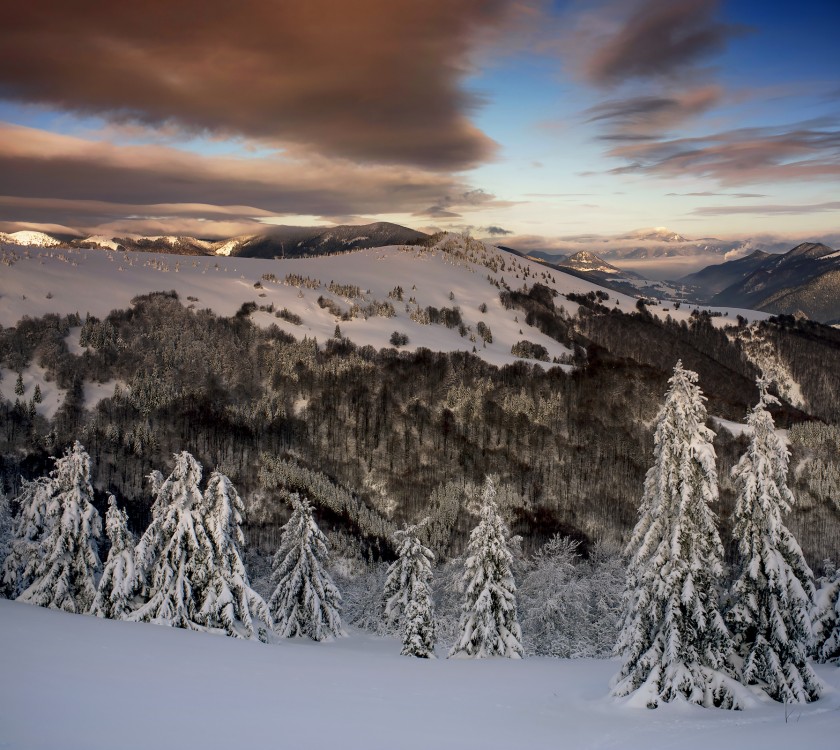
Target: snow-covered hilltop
[[29, 239]]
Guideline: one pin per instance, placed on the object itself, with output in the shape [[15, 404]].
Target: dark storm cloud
[[370, 80], [659, 38], [56, 174]]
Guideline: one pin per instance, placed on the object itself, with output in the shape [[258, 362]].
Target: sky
[[528, 120]]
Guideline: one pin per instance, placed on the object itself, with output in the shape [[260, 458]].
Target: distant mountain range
[[276, 242], [802, 281]]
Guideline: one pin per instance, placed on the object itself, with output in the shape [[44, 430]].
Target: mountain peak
[[656, 234]]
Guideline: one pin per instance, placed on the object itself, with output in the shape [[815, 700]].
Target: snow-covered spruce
[[488, 625], [228, 601], [673, 642], [305, 601], [6, 526], [171, 558], [29, 530], [116, 586], [408, 594], [189, 561], [774, 590], [66, 573], [827, 616]]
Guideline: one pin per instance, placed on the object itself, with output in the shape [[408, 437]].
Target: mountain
[[589, 263], [166, 244], [805, 280], [717, 277], [28, 238], [302, 242], [655, 234]]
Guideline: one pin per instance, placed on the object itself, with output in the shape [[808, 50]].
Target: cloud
[[474, 198], [709, 193], [799, 152], [495, 231], [660, 38], [372, 81], [768, 210], [639, 118], [55, 178]]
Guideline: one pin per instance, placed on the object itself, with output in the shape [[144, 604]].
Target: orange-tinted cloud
[[369, 80], [55, 178]]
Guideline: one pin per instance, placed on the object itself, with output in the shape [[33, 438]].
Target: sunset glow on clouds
[[513, 117]]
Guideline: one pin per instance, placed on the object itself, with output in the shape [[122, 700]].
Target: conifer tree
[[116, 587], [408, 594], [172, 558], [827, 616], [229, 601], [774, 591], [6, 529], [305, 601], [29, 529], [488, 625], [66, 574], [673, 641], [19, 385]]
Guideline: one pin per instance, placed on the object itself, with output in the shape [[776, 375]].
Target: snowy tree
[[305, 601], [65, 576], [774, 590], [408, 594], [116, 587], [674, 642], [229, 601], [827, 616], [488, 625], [29, 530], [6, 529], [171, 558]]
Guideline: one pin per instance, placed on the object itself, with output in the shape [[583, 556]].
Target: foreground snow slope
[[70, 681]]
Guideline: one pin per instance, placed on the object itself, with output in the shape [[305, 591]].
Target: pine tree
[[30, 528], [229, 601], [305, 601], [408, 594], [19, 385], [774, 591], [37, 397], [65, 576], [673, 641], [6, 530], [488, 624], [827, 616], [172, 558], [116, 587]]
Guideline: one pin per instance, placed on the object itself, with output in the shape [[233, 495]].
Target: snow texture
[[774, 591], [674, 643], [82, 683], [488, 625]]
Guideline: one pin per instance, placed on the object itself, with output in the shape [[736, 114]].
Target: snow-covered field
[[70, 681]]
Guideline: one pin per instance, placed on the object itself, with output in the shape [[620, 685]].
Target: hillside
[[509, 367], [717, 277], [805, 280]]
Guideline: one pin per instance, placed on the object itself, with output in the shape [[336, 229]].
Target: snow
[[103, 241], [51, 396], [742, 428], [72, 681], [69, 280], [25, 237]]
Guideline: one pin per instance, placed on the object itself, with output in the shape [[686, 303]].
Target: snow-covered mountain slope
[[71, 681], [447, 275], [28, 238]]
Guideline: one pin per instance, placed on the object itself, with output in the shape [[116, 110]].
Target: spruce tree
[[172, 558], [305, 601], [488, 625], [7, 530], [408, 594], [774, 591], [66, 574], [827, 616], [673, 641], [116, 587], [29, 529], [229, 601]]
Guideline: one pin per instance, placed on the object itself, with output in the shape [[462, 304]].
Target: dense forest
[[376, 438]]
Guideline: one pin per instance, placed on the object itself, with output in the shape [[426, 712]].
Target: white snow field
[[72, 681], [35, 281]]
